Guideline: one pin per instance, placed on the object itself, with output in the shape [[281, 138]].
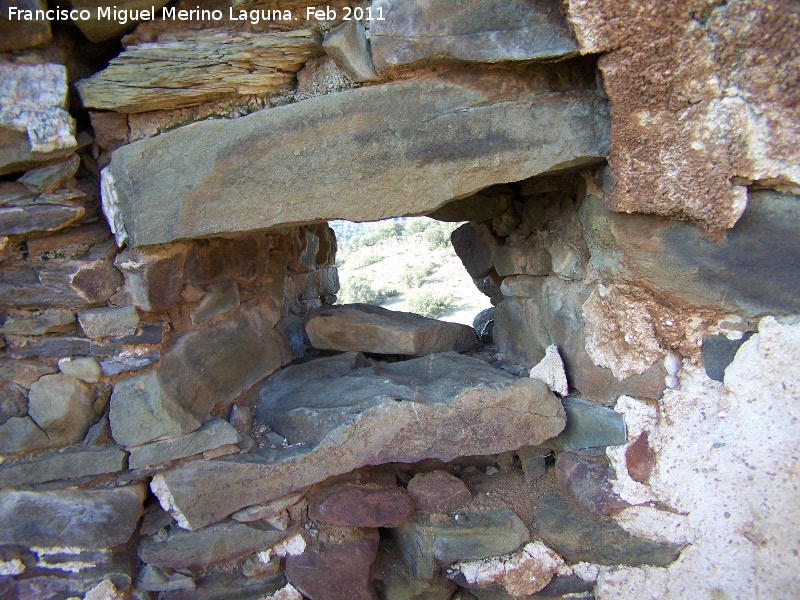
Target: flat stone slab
[[445, 136], [368, 328], [428, 539], [339, 417], [71, 464], [752, 269], [578, 535], [90, 519], [220, 543], [447, 31], [214, 433]]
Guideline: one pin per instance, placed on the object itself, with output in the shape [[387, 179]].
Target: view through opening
[[406, 264]]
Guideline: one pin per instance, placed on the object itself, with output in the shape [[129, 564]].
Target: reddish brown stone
[[351, 505], [438, 492], [337, 571], [586, 481], [640, 458]]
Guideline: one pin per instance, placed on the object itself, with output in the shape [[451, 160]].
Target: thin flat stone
[[368, 328], [340, 418], [212, 434], [71, 464]]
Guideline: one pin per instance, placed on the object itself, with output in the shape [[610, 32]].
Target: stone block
[[438, 492], [200, 549], [35, 126], [63, 407], [337, 571], [143, 409], [72, 464], [441, 32], [595, 539], [91, 519], [109, 322], [368, 328], [368, 417], [347, 45], [213, 434], [365, 505], [19, 34], [429, 540]]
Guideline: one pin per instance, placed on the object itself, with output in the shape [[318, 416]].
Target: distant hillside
[[406, 264]]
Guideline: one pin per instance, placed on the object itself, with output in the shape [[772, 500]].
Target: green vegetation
[[431, 305]]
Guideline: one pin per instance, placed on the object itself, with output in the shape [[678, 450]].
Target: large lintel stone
[[407, 147]]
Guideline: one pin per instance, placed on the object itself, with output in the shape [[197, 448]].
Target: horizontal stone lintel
[[402, 148]]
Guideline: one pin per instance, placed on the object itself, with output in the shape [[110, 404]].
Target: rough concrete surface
[[724, 460]]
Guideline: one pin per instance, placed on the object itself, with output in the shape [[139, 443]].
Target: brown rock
[[369, 505], [439, 492], [586, 481], [367, 328], [46, 179], [337, 571], [640, 459], [700, 77], [73, 241], [18, 34], [153, 275], [530, 258], [101, 29], [213, 366]]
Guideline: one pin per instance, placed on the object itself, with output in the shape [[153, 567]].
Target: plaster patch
[[726, 459], [161, 490]]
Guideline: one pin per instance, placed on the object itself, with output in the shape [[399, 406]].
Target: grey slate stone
[[90, 519], [496, 124], [84, 368], [580, 536], [109, 322], [340, 417], [447, 31], [19, 434], [428, 540], [589, 426], [211, 367], [38, 324], [215, 544], [752, 270], [46, 179], [718, 352], [63, 407], [13, 401], [213, 434], [143, 409], [120, 364], [71, 464]]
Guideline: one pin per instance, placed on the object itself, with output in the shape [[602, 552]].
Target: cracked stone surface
[[338, 417]]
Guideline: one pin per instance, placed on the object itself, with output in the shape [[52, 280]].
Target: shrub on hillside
[[431, 305]]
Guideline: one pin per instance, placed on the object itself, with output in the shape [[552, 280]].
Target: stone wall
[[184, 411]]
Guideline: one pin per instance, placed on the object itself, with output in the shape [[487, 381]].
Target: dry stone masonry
[[188, 412]]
